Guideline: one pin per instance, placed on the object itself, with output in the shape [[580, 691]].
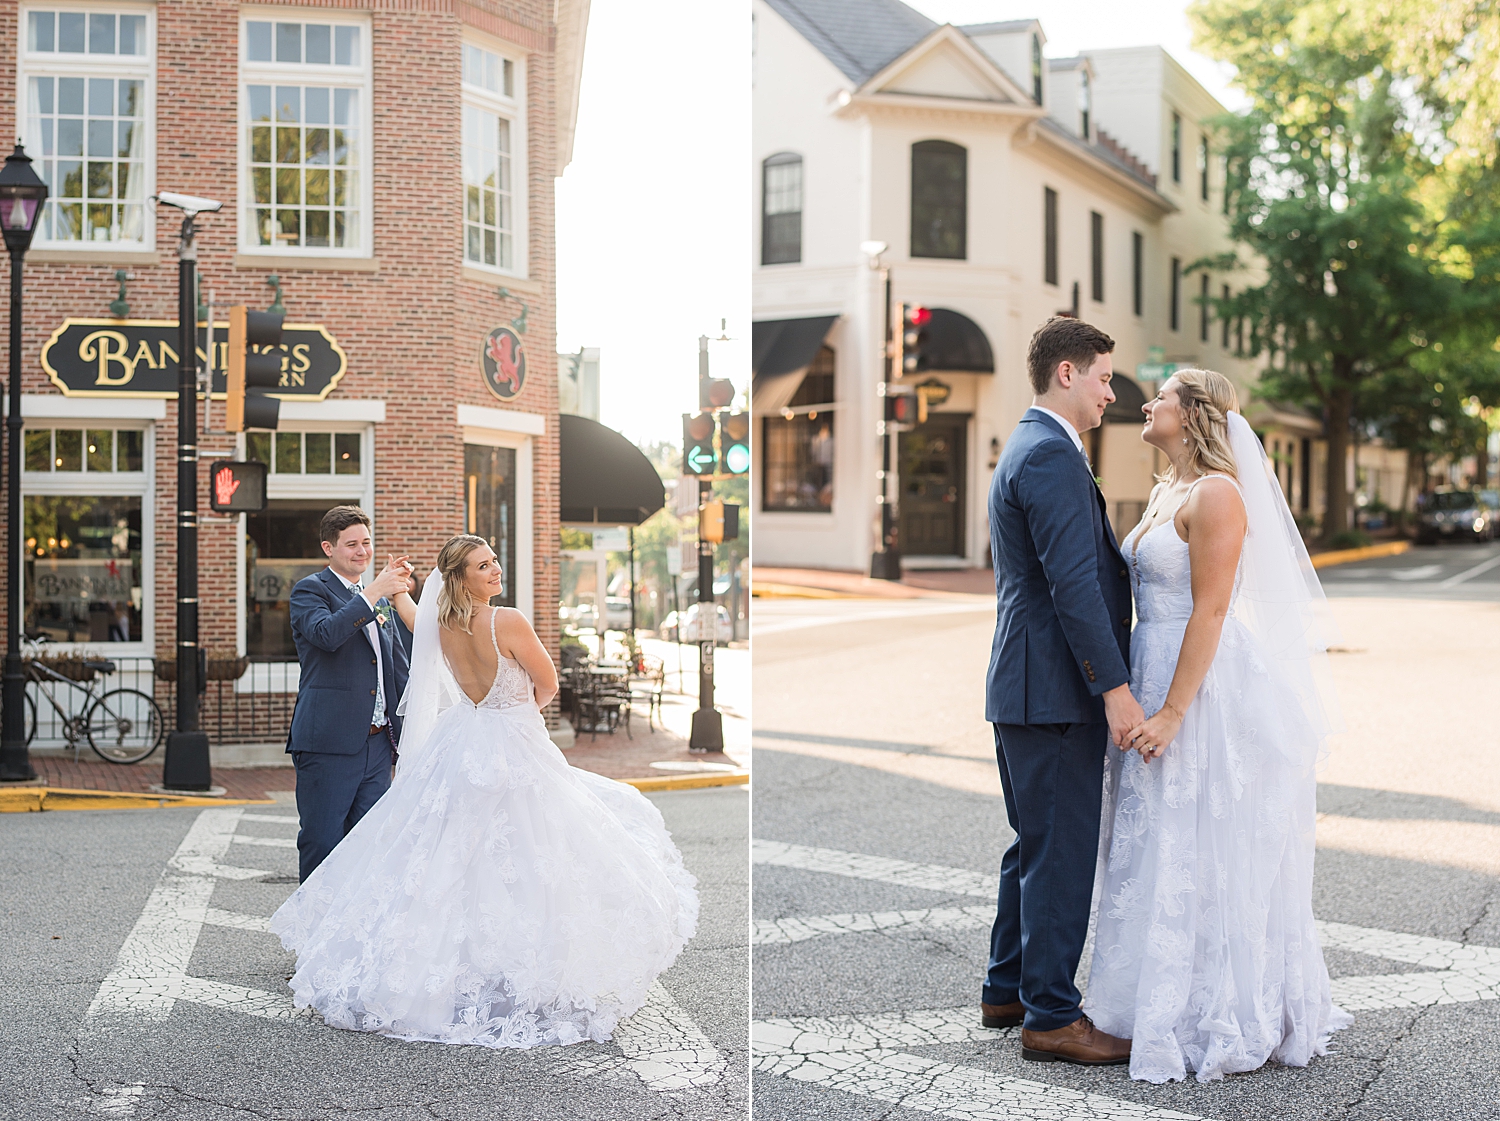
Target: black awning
[[955, 344], [1126, 407], [786, 346], [605, 478]]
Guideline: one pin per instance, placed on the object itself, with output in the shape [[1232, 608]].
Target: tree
[[1327, 171]]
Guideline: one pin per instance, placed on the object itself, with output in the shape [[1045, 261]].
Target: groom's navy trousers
[[1062, 640]]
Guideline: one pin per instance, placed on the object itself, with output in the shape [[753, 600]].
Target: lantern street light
[[21, 196]]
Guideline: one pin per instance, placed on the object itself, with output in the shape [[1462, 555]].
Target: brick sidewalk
[[614, 756]]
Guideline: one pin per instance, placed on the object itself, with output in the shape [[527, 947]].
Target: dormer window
[[1036, 68], [1085, 102]]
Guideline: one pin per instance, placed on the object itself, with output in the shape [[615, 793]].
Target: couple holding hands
[[488, 893], [1195, 836]]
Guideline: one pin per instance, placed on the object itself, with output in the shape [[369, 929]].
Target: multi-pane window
[[781, 209], [1096, 256], [1203, 308], [1036, 69], [1203, 166], [490, 509], [86, 106], [305, 453], [1049, 235], [92, 450], [1176, 148], [939, 199], [306, 145], [797, 475], [491, 142], [1224, 322], [1085, 102]]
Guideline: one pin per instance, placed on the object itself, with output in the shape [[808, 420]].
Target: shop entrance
[[932, 465]]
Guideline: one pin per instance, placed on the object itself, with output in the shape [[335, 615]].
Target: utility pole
[[885, 562], [708, 723]]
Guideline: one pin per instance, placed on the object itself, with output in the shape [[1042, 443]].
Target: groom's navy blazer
[[336, 696], [1062, 630]]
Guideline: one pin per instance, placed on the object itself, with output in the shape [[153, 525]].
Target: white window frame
[[140, 484], [357, 490], [52, 64], [512, 109], [523, 443], [272, 73]]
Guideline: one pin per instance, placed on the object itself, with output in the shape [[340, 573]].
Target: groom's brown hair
[[1063, 339], [339, 519]]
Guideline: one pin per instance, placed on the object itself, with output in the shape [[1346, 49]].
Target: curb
[[35, 799], [1369, 552], [688, 782], [797, 591]]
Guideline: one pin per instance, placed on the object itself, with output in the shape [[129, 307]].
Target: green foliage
[[1350, 539]]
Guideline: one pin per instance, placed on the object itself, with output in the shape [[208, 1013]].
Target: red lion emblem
[[503, 352]]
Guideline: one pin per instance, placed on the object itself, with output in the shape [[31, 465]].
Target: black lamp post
[[21, 196]]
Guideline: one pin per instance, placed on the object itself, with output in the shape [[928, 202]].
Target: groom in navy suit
[[354, 655], [1057, 693]]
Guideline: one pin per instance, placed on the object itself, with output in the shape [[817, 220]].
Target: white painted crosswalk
[[867, 1054], [660, 1044]]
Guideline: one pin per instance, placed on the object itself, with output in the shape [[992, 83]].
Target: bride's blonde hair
[[455, 606], [1205, 399]]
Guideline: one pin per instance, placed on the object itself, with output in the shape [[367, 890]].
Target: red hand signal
[[225, 484]]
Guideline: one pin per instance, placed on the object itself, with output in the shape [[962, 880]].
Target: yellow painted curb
[[689, 782], [796, 591], [1369, 552], [33, 799]]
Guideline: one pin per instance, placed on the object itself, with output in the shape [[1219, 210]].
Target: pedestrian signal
[[734, 442], [718, 522], [254, 369], [698, 455], [901, 408], [237, 488]]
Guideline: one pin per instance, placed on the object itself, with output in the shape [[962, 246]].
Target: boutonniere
[[1098, 482], [382, 613]]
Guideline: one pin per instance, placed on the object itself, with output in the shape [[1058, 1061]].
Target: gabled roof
[[1004, 27], [858, 36]]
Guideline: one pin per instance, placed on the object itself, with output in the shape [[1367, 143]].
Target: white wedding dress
[[494, 895], [1206, 955]]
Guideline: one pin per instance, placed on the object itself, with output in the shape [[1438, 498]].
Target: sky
[[654, 213]]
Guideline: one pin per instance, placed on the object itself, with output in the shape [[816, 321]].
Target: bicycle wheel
[[124, 726], [30, 719]]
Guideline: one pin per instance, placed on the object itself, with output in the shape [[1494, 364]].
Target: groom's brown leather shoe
[[1002, 1015], [1080, 1042]]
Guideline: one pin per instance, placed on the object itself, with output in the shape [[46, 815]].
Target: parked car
[[1456, 515], [683, 626], [617, 613]]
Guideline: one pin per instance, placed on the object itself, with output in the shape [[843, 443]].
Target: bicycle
[[121, 726]]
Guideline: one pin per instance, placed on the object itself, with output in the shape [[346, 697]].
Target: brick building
[[389, 165]]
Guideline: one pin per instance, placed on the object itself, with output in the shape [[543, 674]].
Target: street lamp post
[[21, 196]]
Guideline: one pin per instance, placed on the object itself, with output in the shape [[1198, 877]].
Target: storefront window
[[798, 457], [305, 453], [281, 547], [83, 567], [490, 508]]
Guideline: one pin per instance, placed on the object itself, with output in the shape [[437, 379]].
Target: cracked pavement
[[877, 816], [222, 1040]]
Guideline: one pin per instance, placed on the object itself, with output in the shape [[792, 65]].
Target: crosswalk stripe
[[214, 916], [268, 842], [883, 869]]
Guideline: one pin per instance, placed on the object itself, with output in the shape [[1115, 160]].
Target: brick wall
[[412, 326]]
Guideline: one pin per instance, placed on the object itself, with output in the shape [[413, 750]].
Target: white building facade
[[1006, 187]]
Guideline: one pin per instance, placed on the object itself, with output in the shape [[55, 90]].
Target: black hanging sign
[[138, 358], [504, 363]]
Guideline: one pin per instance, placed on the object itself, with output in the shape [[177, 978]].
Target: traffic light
[[715, 393], [734, 442], [237, 488], [253, 371], [718, 522], [698, 455], [911, 347]]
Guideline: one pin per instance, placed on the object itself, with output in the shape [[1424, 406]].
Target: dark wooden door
[[933, 468]]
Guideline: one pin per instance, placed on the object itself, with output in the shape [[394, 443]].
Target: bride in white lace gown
[[495, 895], [1206, 954]]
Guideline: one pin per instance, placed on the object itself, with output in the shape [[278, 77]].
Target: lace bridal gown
[[1206, 955], [495, 895]]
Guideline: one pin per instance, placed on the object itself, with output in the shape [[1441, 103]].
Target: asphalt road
[[879, 829], [1448, 571], [79, 894]]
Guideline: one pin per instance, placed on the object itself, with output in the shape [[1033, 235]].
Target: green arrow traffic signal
[[700, 460]]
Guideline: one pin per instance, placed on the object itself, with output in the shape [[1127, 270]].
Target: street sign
[[1154, 371], [616, 540], [674, 561]]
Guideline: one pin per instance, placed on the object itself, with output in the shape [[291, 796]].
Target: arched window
[[1086, 99], [781, 209], [939, 199]]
